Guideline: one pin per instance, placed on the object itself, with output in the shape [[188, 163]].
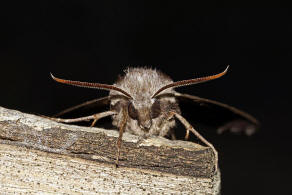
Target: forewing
[[216, 114]]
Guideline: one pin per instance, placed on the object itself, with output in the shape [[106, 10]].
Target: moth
[[143, 102]]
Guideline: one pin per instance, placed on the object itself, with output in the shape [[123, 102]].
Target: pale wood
[[40, 155]]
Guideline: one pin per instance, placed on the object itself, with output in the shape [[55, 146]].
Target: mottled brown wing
[[216, 114]]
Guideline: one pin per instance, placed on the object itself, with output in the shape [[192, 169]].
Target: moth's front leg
[[122, 125], [189, 128], [95, 117]]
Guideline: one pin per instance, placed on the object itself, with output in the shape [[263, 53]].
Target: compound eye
[[133, 113], [155, 109]]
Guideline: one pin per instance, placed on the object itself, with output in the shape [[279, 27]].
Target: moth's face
[[146, 118], [144, 112]]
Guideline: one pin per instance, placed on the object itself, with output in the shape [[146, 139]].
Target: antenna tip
[[52, 75]]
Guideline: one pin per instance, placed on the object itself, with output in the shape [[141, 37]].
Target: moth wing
[[219, 115]]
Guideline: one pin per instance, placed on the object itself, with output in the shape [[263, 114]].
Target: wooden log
[[40, 155]]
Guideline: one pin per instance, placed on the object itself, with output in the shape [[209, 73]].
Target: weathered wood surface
[[40, 155]]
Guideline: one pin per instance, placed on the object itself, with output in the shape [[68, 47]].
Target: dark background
[[95, 40]]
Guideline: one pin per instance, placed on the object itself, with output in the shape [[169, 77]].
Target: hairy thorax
[[147, 116]]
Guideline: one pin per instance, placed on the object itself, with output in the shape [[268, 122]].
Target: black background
[[95, 40]]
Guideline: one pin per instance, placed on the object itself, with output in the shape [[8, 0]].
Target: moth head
[[144, 111]]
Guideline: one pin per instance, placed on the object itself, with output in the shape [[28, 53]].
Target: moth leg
[[121, 131], [187, 134], [189, 127], [169, 116], [101, 115], [84, 104], [172, 135], [85, 118]]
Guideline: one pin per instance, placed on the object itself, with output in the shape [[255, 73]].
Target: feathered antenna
[[91, 85], [190, 82]]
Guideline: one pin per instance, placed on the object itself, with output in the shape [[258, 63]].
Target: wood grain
[[40, 155]]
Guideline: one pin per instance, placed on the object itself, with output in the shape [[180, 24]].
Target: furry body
[[142, 83]]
